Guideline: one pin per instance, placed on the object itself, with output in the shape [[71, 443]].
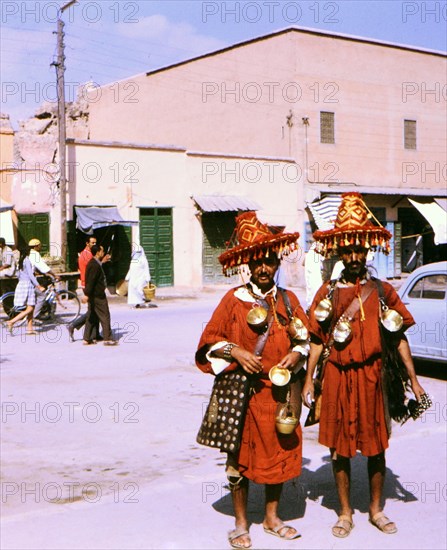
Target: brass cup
[[286, 424], [323, 311], [342, 331], [279, 376], [392, 320], [257, 316], [297, 330]]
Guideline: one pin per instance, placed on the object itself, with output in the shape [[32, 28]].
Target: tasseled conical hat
[[353, 227], [253, 240]]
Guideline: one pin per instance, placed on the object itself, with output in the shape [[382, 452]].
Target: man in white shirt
[[39, 265], [7, 261], [7, 264]]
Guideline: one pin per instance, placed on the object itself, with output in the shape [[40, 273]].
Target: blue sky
[[107, 41]]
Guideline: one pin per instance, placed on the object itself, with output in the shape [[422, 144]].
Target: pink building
[[280, 122]]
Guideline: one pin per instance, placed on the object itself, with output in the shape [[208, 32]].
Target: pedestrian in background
[[25, 292], [313, 266], [84, 257], [137, 277], [7, 265], [95, 296], [39, 266]]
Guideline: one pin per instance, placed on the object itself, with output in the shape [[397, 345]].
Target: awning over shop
[[324, 211], [434, 211], [313, 191], [5, 206], [94, 217], [224, 203], [6, 225]]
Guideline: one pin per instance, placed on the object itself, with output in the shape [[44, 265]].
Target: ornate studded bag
[[224, 418]]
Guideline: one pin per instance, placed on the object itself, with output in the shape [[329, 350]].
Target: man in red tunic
[[228, 342], [353, 414]]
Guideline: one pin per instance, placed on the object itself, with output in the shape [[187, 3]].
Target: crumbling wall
[[36, 153]]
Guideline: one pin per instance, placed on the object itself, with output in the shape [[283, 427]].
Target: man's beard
[[354, 270]]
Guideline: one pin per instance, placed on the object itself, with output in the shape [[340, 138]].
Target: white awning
[[6, 226], [5, 206], [436, 216], [89, 218], [224, 203]]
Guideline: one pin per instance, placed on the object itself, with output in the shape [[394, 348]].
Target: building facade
[[279, 123]]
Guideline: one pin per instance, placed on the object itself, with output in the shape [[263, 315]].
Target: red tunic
[[264, 456], [352, 408], [84, 257]]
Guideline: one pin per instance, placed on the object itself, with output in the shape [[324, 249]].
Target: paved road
[[98, 449]]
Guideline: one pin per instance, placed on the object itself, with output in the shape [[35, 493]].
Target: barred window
[[410, 134], [327, 127]]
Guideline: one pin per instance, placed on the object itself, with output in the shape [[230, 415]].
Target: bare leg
[[376, 474], [341, 466], [239, 495], [19, 316], [29, 320], [271, 520]]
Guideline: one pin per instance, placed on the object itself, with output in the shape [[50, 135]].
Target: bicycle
[[60, 306]]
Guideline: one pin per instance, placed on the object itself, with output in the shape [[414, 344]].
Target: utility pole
[[60, 70]]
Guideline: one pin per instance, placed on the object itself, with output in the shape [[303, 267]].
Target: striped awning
[[324, 211], [224, 203]]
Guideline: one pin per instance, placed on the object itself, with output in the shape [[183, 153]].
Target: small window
[[410, 134], [431, 287], [327, 127]]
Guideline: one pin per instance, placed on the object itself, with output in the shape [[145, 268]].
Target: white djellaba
[[137, 277]]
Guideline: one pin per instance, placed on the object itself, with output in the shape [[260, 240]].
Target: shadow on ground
[[318, 486]]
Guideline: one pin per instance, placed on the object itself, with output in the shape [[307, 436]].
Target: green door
[[156, 240], [35, 226]]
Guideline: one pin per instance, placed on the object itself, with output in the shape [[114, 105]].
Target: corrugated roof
[[224, 203]]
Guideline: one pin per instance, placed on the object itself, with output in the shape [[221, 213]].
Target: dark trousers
[[80, 321], [98, 310]]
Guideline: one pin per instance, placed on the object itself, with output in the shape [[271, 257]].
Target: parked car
[[424, 294]]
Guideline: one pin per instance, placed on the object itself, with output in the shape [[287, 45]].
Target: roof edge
[[303, 30]]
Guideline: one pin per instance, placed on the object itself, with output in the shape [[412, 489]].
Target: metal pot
[[323, 311], [297, 330], [391, 319], [342, 331], [286, 425], [257, 316], [279, 376], [286, 419]]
